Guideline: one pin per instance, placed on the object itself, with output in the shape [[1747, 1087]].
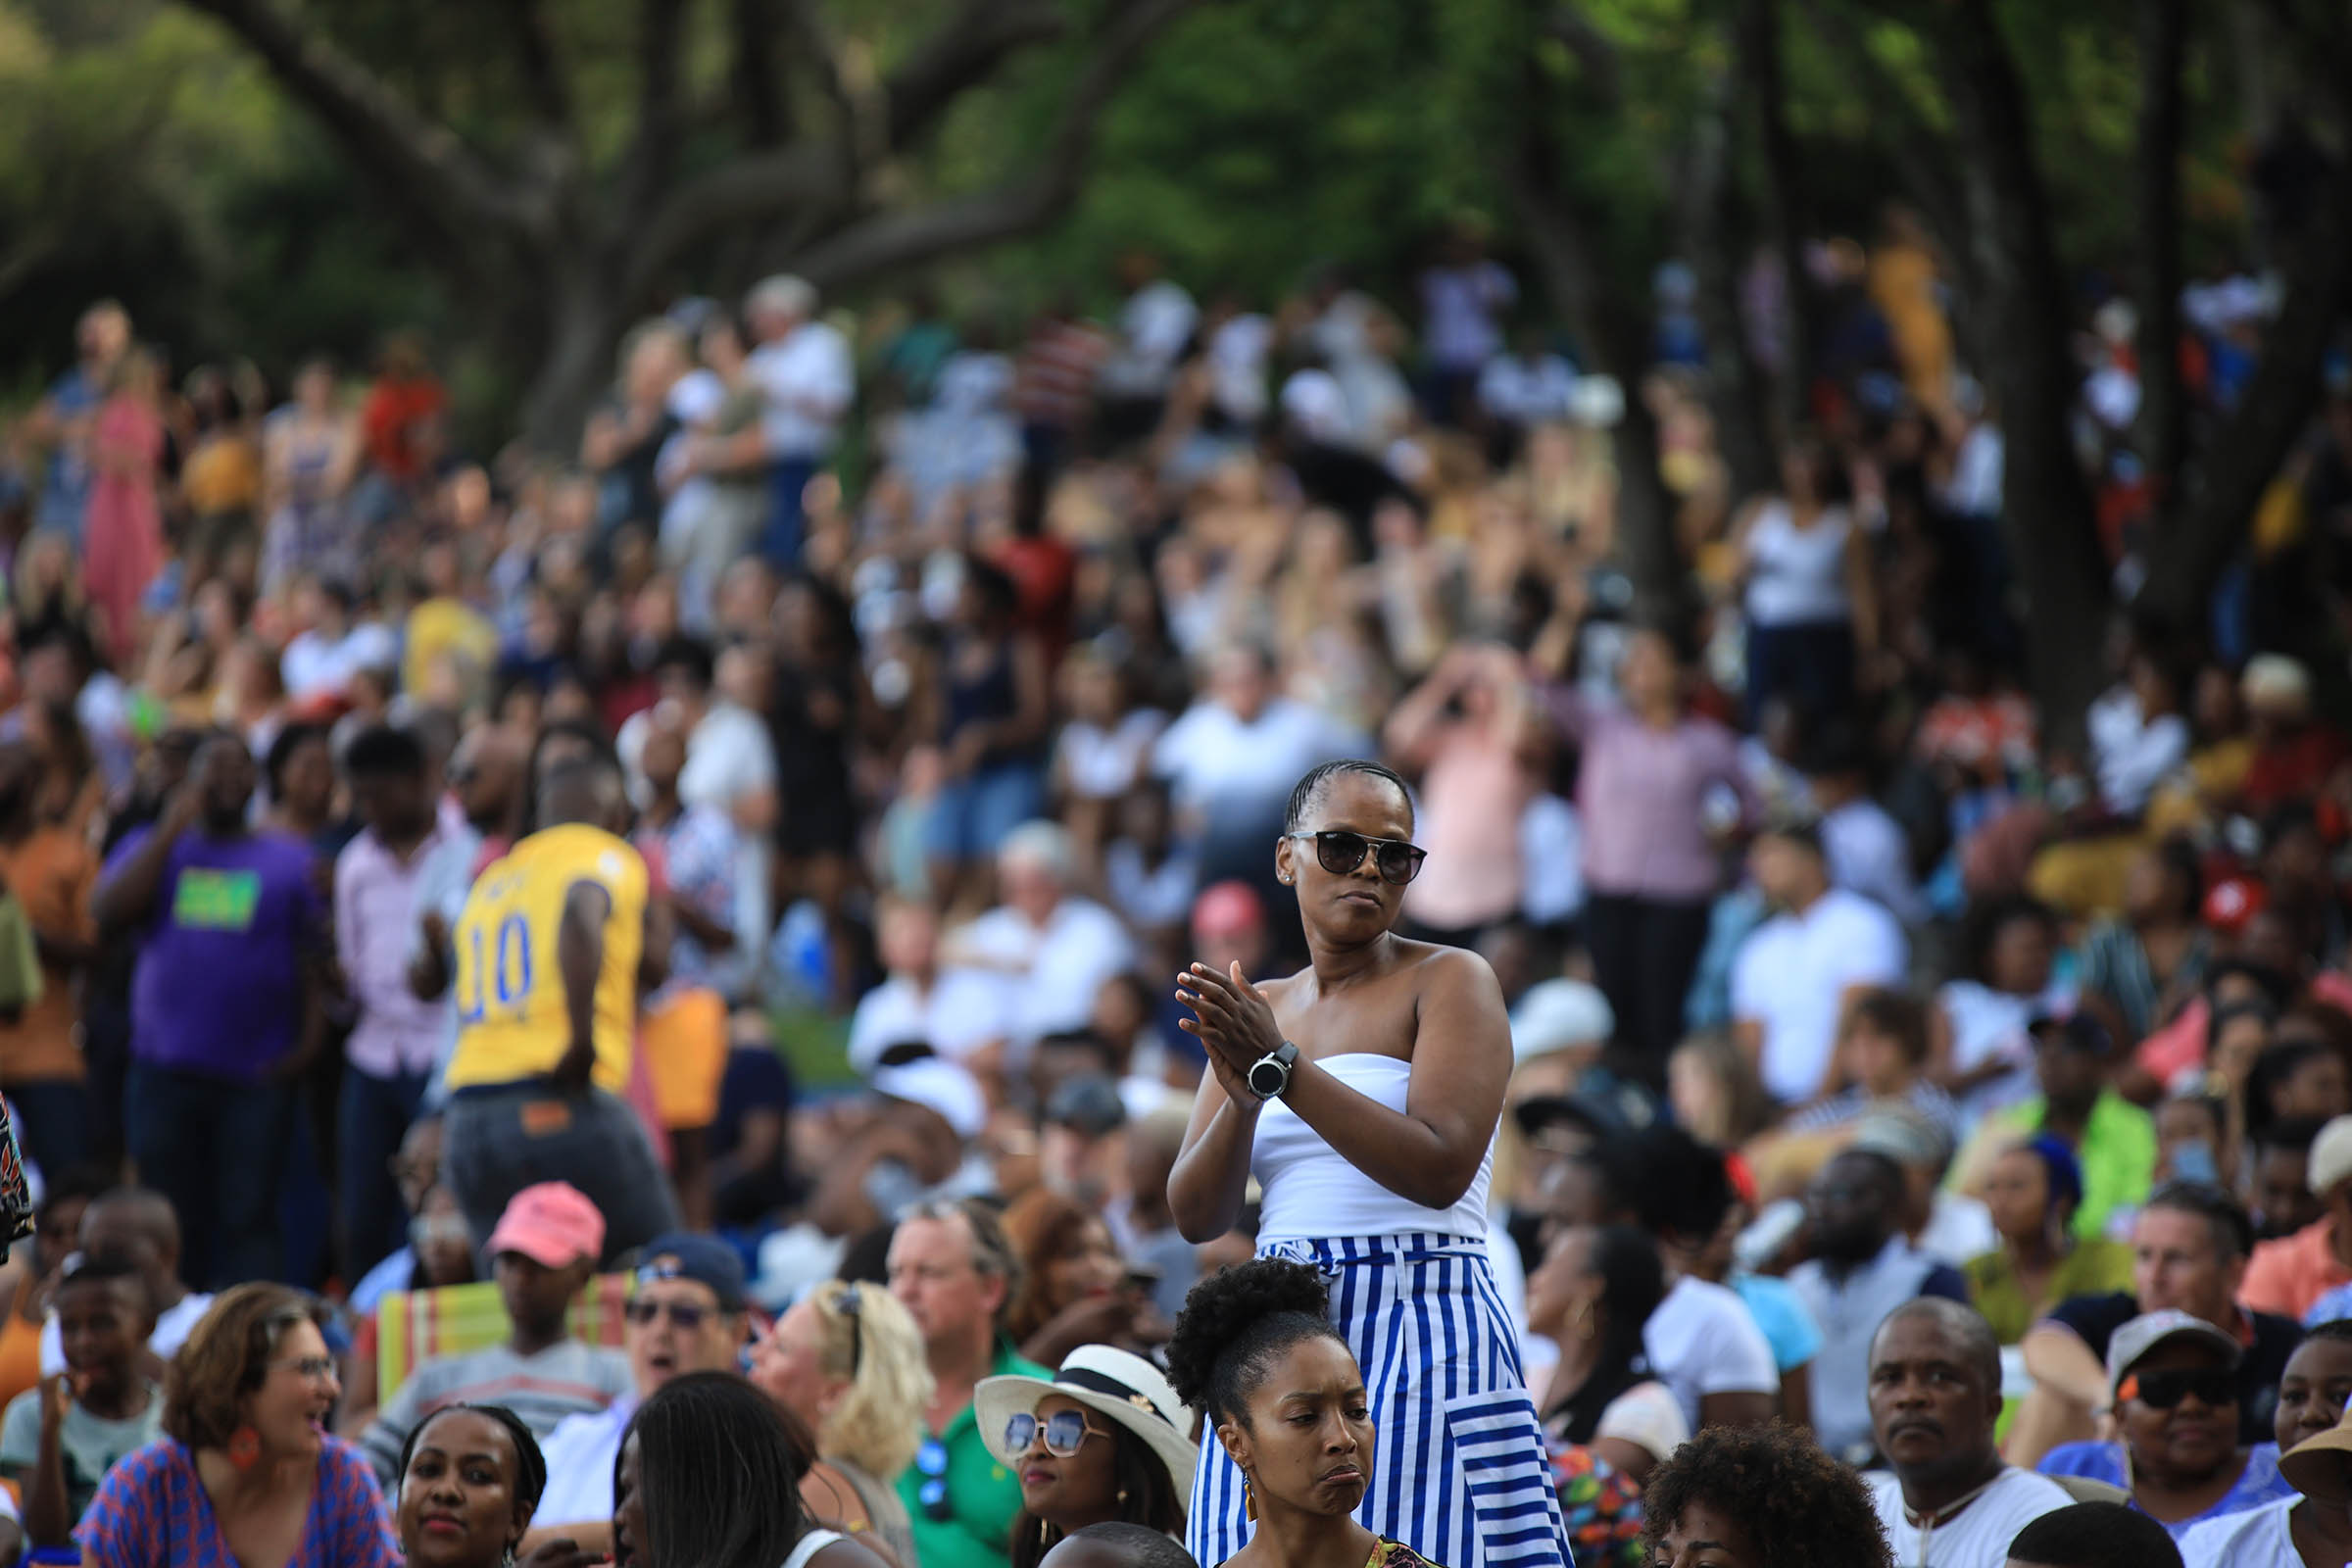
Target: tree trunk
[[2163, 405], [1737, 387], [2045, 503], [2205, 531], [582, 321], [1758, 33]]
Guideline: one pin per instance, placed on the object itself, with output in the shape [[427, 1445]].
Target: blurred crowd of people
[[917, 700]]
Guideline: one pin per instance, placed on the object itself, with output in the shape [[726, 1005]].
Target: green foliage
[[144, 153]]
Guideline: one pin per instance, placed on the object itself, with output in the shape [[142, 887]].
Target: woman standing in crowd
[[1759, 1497], [1648, 769], [1074, 1470], [1363, 1095], [123, 542], [846, 1362], [1254, 1353], [245, 1470], [2175, 1381], [2032, 1191], [1809, 594], [709, 1476], [470, 1476]]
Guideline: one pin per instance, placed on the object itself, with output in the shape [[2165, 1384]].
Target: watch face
[[1266, 1079]]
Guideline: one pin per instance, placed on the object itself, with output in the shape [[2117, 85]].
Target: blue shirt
[[1779, 1312], [2261, 1482]]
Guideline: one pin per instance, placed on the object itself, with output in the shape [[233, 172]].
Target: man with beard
[[1863, 1267], [1935, 1394]]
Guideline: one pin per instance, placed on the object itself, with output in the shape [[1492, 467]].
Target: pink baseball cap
[[553, 1224], [1226, 910]]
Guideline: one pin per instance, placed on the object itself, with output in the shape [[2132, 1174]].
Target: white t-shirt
[[805, 381], [1980, 1536], [964, 1010], [1102, 764], [1701, 1341], [1793, 972], [2257, 1537], [579, 1455], [1051, 972], [312, 664], [171, 1331], [1521, 392], [1216, 762]]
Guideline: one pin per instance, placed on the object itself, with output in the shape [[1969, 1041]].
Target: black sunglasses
[[687, 1315], [2214, 1386], [1341, 852]]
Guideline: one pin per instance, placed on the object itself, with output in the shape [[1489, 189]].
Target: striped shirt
[[567, 1377]]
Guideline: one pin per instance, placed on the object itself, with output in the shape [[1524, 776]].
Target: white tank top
[[813, 1540], [1310, 1193], [1798, 575]]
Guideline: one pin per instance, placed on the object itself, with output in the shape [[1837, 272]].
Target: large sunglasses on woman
[[1341, 852]]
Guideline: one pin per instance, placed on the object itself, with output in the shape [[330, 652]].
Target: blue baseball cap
[[704, 1259]]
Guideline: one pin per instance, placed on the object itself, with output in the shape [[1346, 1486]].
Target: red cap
[[553, 1224]]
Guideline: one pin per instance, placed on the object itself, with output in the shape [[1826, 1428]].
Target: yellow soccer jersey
[[512, 1020]]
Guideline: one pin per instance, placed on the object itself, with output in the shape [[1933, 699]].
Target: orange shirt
[[2291, 1273], [52, 875]]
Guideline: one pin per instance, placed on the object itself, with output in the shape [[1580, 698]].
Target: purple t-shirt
[[152, 1511], [218, 985]]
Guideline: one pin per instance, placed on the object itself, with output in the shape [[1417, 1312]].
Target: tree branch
[[2163, 411], [1916, 148], [421, 165], [896, 239], [758, 78], [965, 51], [1603, 78], [659, 121], [746, 191], [543, 80]]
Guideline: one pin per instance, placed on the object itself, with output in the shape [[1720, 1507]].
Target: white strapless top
[[1310, 1193]]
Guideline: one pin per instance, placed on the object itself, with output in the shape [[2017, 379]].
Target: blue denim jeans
[[780, 541], [371, 1117], [199, 1141]]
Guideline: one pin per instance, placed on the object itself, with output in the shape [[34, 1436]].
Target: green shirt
[[982, 1494], [2093, 1268], [2118, 1155], [88, 1444]]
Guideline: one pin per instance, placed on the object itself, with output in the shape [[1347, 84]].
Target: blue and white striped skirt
[[1458, 1470]]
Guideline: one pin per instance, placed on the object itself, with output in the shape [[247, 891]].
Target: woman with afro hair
[[1759, 1497], [1254, 1352]]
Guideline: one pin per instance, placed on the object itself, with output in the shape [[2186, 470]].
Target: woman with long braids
[[1363, 1095], [1255, 1354]]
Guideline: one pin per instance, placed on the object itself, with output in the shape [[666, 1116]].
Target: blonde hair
[[878, 1425]]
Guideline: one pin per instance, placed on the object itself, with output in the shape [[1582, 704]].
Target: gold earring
[[1122, 1496], [1249, 1499]]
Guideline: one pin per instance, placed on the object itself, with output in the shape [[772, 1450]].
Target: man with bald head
[[1935, 1394], [133, 1228]]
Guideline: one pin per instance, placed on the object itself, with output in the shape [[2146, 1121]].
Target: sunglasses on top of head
[[1341, 852]]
